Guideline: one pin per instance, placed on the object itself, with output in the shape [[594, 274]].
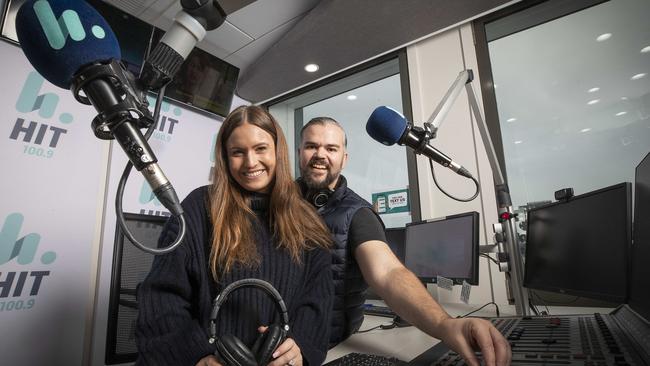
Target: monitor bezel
[[473, 279], [628, 247], [638, 247], [397, 229]]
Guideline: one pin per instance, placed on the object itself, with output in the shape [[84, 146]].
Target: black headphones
[[317, 197], [231, 350]]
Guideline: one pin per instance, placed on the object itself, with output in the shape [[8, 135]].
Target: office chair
[[130, 267]]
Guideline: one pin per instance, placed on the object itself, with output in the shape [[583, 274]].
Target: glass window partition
[[566, 89], [572, 94]]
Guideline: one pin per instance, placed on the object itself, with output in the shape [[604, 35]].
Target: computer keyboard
[[364, 359], [370, 309]]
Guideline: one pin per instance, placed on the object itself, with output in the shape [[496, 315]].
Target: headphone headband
[[247, 282]]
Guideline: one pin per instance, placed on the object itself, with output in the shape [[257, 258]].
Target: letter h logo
[[58, 30], [23, 249]]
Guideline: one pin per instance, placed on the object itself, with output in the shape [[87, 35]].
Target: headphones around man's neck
[[317, 197], [231, 350]]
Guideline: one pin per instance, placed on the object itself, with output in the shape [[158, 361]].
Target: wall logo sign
[[165, 128], [29, 100], [23, 251], [41, 138], [58, 30]]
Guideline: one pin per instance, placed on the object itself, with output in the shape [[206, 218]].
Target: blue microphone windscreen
[[386, 125], [60, 36]]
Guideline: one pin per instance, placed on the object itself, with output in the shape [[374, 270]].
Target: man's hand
[[287, 353], [467, 335], [208, 361]]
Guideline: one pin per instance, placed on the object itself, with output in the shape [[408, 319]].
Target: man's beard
[[314, 184]]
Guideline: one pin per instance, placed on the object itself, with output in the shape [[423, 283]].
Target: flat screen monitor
[[640, 277], [204, 81], [447, 247], [395, 237], [581, 246]]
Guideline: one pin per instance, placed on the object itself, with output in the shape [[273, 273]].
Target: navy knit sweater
[[175, 299]]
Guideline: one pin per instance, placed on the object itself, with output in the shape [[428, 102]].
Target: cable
[[473, 311], [433, 174], [381, 326], [120, 194], [490, 258]]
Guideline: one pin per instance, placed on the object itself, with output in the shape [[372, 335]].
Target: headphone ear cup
[[234, 352], [267, 343], [320, 198]]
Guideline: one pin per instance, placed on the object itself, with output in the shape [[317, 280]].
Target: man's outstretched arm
[[407, 297]]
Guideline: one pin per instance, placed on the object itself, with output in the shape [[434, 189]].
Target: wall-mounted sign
[[391, 201]]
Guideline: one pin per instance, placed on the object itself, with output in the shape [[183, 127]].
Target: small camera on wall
[[564, 194]]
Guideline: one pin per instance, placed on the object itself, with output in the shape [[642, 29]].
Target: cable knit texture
[[175, 300]]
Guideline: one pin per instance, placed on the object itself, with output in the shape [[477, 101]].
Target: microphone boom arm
[[509, 256], [437, 117]]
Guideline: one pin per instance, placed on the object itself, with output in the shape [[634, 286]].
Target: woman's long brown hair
[[294, 223]]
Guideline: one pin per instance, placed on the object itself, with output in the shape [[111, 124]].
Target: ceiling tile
[[253, 50], [228, 38], [262, 16], [231, 6], [154, 9]]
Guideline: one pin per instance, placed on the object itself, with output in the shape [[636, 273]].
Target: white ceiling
[[247, 33]]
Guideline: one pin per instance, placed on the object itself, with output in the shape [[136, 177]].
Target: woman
[[250, 223]]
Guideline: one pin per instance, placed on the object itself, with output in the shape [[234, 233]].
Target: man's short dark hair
[[322, 121]]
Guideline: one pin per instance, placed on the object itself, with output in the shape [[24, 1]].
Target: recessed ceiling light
[[585, 130], [594, 101], [311, 67], [621, 113], [593, 90], [352, 97], [604, 37], [518, 142], [511, 119], [638, 76], [623, 98], [645, 49]]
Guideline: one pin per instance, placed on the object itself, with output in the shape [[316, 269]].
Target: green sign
[[391, 201]]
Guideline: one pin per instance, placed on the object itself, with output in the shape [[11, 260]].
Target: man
[[362, 256]]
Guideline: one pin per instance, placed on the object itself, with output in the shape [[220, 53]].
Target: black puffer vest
[[349, 285]]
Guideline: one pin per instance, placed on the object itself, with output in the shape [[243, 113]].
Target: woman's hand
[[208, 361], [287, 353]]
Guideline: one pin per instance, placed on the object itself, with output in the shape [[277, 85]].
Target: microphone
[[388, 126], [189, 27], [71, 45]]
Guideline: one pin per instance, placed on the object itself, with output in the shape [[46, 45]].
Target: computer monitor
[[446, 247], [581, 246], [395, 237], [639, 299], [203, 81]]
